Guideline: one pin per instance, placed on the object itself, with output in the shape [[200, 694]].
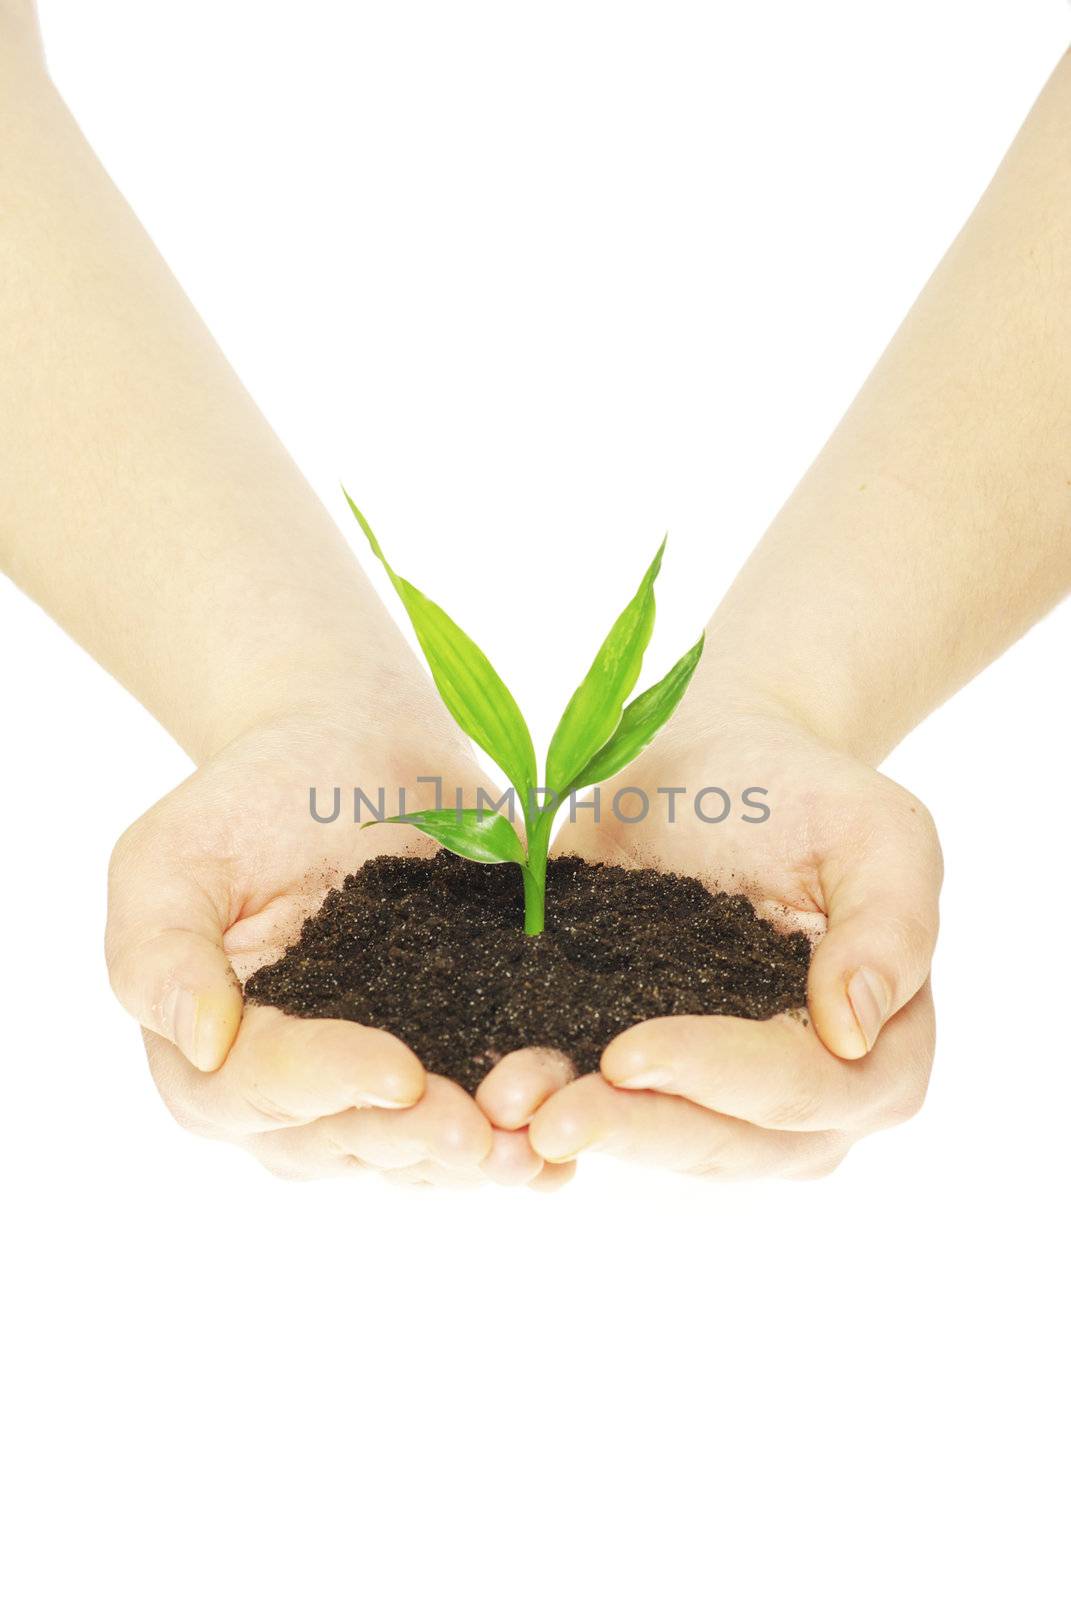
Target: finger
[[512, 1160], [552, 1178], [826, 1161], [778, 1074], [881, 901], [303, 1153], [285, 1070], [166, 962], [662, 1130], [445, 1127], [433, 1175], [518, 1084]]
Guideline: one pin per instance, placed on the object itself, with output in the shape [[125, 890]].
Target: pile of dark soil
[[434, 951]]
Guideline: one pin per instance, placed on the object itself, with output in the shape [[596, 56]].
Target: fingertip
[[848, 1007], [464, 1142], [519, 1083], [634, 1059], [548, 1180], [511, 1160], [180, 985], [870, 998], [462, 1135], [395, 1078], [844, 1040], [569, 1122], [622, 1060], [206, 1025], [361, 1066]]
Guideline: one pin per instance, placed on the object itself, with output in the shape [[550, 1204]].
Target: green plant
[[598, 733]]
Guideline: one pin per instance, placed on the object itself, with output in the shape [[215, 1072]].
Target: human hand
[[845, 854], [212, 883]]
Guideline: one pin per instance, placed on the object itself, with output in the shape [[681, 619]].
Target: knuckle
[[283, 1167], [257, 1101], [190, 1118], [117, 963], [823, 1167], [915, 818], [183, 1097], [124, 872], [903, 1105], [294, 1157], [924, 841], [797, 1102], [817, 1155], [903, 938], [127, 854], [915, 932], [905, 1097], [927, 828], [123, 961], [122, 850]]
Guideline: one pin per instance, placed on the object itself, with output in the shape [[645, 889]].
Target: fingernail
[[204, 1027], [555, 1157], [184, 1023], [645, 1078], [869, 996]]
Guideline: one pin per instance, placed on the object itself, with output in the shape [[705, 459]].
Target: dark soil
[[434, 951]]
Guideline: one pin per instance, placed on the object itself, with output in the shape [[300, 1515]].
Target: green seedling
[[599, 733]]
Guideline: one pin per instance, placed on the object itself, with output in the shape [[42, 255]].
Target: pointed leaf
[[595, 709], [471, 689], [641, 720], [476, 835]]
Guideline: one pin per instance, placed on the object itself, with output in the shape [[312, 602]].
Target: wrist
[[379, 698], [738, 685], [20, 38]]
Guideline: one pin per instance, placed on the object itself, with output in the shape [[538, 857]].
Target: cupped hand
[[212, 883], [845, 854]]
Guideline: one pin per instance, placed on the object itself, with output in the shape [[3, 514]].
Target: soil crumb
[[433, 950]]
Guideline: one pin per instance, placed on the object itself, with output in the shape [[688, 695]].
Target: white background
[[543, 280]]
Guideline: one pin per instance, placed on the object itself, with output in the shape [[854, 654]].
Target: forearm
[[144, 501], [935, 526], [20, 36]]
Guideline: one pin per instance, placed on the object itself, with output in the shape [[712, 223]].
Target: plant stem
[[535, 872]]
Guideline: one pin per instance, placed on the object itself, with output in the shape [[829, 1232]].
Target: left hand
[[845, 854]]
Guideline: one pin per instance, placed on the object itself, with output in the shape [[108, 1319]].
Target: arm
[[935, 526], [934, 529], [147, 505], [144, 501]]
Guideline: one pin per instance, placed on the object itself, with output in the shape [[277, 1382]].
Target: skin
[[931, 532], [146, 504], [845, 854], [215, 881], [163, 480]]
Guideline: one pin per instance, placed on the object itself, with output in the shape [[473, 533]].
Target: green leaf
[[595, 709], [471, 689], [476, 835], [641, 720]]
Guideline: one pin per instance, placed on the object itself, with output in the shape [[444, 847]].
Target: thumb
[[166, 962], [881, 903]]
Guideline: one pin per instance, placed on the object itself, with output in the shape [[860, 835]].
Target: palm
[[223, 870], [845, 854], [812, 793]]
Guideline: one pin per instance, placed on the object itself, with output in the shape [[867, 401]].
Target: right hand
[[846, 855]]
